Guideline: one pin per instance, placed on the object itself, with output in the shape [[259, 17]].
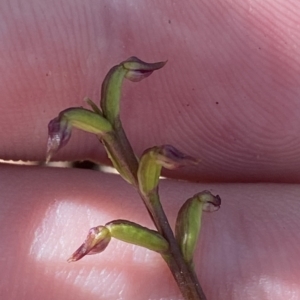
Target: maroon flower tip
[[96, 241], [211, 203], [138, 69], [59, 133], [78, 254], [171, 158]]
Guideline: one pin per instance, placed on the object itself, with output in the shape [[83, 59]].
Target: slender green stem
[[125, 144], [121, 152], [183, 274], [120, 157]]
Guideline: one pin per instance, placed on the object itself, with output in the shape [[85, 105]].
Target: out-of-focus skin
[[229, 95]]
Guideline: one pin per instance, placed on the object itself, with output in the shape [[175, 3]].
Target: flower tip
[[96, 241], [138, 69], [78, 254], [48, 157], [161, 64], [52, 147], [71, 259], [192, 160], [133, 63], [211, 203], [210, 207], [171, 158], [59, 133]]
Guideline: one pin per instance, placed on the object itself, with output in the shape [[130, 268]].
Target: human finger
[[228, 95], [247, 250]]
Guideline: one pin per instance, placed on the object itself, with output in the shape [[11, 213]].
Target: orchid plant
[[177, 249]]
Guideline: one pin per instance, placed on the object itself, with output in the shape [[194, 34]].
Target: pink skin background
[[229, 95]]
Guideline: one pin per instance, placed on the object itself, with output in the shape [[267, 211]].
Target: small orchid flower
[[188, 223], [99, 237], [60, 128], [152, 161]]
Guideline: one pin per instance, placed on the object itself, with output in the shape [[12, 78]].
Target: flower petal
[[96, 241]]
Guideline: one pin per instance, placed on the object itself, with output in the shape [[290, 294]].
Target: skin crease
[[228, 94]]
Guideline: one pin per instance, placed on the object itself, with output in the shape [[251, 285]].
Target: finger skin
[[247, 250], [228, 94]]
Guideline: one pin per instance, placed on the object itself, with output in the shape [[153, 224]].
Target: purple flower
[[59, 133]]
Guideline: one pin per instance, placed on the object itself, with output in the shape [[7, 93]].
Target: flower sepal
[[188, 222]]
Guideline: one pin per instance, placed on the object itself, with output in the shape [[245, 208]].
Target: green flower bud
[[153, 159], [133, 69], [136, 234], [111, 93], [149, 171], [188, 223]]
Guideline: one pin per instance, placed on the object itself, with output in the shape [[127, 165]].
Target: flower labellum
[[97, 240]]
